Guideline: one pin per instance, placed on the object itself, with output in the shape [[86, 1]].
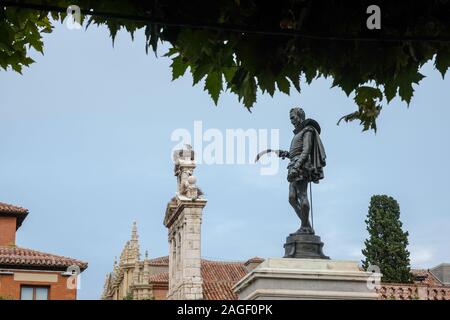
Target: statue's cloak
[[317, 157]]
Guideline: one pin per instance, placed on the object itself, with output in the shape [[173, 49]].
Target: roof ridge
[[15, 255], [220, 281], [224, 261], [10, 210], [10, 207]]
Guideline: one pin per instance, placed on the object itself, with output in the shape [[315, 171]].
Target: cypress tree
[[387, 242]]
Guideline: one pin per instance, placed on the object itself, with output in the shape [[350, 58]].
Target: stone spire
[[116, 271], [131, 250], [134, 234]]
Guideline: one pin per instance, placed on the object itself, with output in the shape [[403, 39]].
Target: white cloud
[[421, 257]]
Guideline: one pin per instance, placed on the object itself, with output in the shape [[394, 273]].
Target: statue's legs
[[293, 200], [298, 198]]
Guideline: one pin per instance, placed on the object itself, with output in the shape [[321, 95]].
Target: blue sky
[[85, 146]]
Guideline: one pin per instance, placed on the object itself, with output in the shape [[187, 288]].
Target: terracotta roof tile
[[219, 277], [27, 259], [430, 279], [160, 261], [159, 277], [222, 271], [13, 211], [218, 291], [4, 207]]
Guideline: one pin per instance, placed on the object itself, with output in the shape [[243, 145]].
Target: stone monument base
[[298, 279], [304, 246]]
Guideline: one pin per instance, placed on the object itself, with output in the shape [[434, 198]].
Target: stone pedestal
[[304, 246], [295, 279]]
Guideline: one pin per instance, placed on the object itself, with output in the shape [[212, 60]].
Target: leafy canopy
[[246, 45]]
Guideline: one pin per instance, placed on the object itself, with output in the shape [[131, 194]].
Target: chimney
[[11, 218]]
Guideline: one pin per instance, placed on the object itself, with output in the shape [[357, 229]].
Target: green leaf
[[113, 28], [54, 15], [249, 91], [171, 52], [406, 80], [266, 82], [390, 89], [310, 74], [151, 36], [442, 61], [17, 67], [213, 84], [295, 79], [178, 67], [229, 73], [283, 85], [346, 82], [199, 72]]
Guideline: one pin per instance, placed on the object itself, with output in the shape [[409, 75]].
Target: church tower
[[183, 219]]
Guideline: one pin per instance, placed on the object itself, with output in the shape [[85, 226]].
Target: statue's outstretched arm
[[283, 154], [280, 153]]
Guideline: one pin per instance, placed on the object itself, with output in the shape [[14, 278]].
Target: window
[[33, 293], [26, 293]]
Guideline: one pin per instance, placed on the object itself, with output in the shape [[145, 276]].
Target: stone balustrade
[[412, 292]]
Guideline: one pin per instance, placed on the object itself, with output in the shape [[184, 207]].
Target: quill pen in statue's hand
[[279, 153]]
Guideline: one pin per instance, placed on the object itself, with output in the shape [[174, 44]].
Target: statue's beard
[[298, 126]]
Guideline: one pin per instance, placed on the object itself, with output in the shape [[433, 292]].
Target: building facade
[[27, 274]]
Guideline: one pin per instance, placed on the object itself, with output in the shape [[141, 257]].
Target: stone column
[[183, 219], [136, 272], [422, 292]]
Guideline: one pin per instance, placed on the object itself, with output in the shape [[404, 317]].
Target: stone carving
[[184, 169]]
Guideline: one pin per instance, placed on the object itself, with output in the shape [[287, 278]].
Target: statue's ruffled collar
[[308, 122]]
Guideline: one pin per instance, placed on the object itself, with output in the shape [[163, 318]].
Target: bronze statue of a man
[[307, 159]]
